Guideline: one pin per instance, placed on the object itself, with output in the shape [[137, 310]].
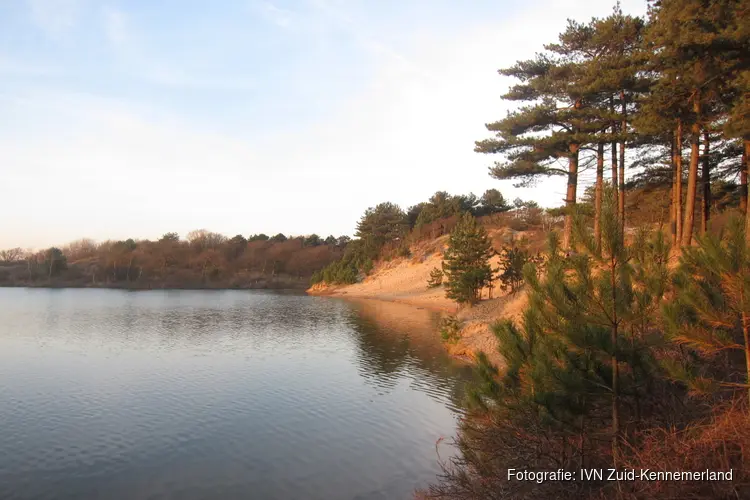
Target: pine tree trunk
[[673, 207], [621, 183], [598, 197], [614, 154], [615, 366], [743, 180], [692, 188], [747, 212], [706, 184], [678, 180], [570, 197]]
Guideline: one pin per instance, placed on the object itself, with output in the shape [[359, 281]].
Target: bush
[[450, 329], [359, 255], [512, 261], [436, 278], [518, 224], [367, 267]]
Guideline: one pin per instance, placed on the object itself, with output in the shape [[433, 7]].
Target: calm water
[[218, 394]]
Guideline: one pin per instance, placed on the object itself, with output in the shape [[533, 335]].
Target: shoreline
[[341, 292], [475, 335]]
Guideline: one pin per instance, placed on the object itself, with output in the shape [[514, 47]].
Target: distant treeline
[[204, 260], [211, 260]]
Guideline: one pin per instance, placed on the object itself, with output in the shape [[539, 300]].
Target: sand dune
[[404, 281]]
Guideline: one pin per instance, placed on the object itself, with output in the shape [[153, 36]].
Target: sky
[[135, 118]]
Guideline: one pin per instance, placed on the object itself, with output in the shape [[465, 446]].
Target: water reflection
[[218, 394], [398, 340]]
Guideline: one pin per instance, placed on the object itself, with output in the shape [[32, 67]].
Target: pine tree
[[381, 224], [556, 110], [710, 313], [512, 262], [610, 50], [578, 363], [599, 306], [466, 262], [493, 202], [694, 53], [738, 97]]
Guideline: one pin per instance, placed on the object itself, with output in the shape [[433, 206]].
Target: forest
[[203, 260]]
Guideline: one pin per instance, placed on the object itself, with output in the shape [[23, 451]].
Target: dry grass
[[719, 443]]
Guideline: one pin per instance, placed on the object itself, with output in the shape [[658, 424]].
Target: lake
[[219, 394]]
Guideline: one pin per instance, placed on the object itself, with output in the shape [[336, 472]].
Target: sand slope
[[404, 280]]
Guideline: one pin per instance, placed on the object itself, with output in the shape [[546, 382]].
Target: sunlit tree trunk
[[747, 212], [598, 196], [673, 207], [621, 183], [570, 197], [614, 153], [706, 184], [692, 188], [678, 180], [743, 181]]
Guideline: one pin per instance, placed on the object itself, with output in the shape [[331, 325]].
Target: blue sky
[[135, 118]]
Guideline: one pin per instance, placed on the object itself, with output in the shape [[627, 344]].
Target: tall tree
[[609, 53], [692, 48], [705, 182], [617, 71], [553, 126]]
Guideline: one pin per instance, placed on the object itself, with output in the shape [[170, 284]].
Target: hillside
[[404, 280]]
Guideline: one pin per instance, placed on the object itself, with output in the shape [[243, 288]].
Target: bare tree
[[11, 255]]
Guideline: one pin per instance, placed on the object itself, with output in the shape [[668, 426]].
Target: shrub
[[512, 261], [450, 329], [518, 224], [359, 255], [436, 278], [367, 267]]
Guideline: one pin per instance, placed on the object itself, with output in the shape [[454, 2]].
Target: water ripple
[[217, 394]]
